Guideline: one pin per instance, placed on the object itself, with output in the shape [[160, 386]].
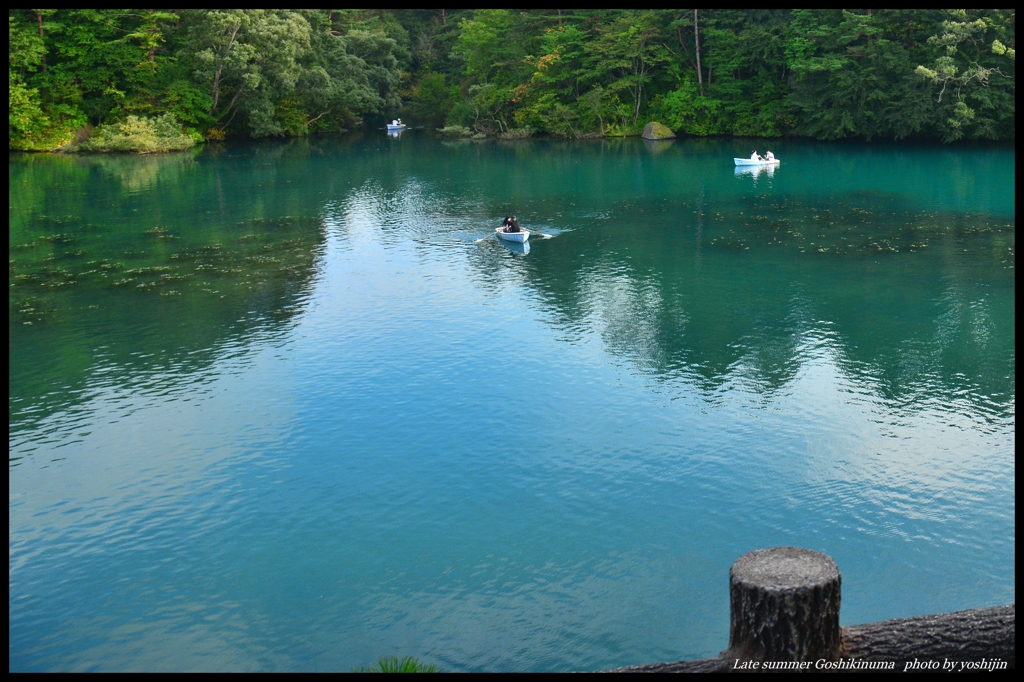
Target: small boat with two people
[[396, 125], [520, 236], [757, 160], [511, 232]]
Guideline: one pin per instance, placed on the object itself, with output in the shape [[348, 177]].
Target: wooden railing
[[784, 606]]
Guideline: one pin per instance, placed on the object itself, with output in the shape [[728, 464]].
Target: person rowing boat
[[757, 160], [510, 225]]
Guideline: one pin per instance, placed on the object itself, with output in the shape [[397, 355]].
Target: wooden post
[[785, 609], [784, 606]]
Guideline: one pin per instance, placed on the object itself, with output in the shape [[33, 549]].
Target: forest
[[150, 80]]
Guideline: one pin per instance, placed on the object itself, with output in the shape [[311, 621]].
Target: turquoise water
[[272, 407]]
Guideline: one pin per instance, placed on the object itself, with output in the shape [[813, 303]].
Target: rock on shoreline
[[657, 131]]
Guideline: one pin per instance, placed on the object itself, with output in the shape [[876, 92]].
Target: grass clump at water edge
[[455, 131], [516, 134], [394, 664], [140, 135]]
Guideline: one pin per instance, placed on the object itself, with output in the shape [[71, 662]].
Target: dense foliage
[[828, 74]]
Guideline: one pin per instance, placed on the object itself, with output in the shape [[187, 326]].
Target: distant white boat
[[520, 236], [395, 126], [753, 162]]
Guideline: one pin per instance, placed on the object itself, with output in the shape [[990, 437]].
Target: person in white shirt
[[755, 157]]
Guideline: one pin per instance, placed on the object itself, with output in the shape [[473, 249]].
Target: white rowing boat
[[752, 162], [516, 247], [394, 128], [520, 236]]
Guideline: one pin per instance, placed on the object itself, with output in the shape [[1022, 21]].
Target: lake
[[273, 407]]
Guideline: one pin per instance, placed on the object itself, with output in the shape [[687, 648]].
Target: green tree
[[826, 74], [559, 97], [150, 36], [35, 121], [625, 54], [433, 99], [247, 59], [971, 56], [346, 72], [745, 60], [493, 57], [851, 77]]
